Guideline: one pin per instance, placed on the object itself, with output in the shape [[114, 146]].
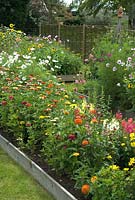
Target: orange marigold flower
[[85, 142], [85, 189], [78, 121]]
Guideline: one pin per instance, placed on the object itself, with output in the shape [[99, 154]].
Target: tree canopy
[[13, 11], [94, 6]]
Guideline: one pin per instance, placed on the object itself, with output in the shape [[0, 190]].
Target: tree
[[56, 8], [13, 11], [38, 11], [94, 6]]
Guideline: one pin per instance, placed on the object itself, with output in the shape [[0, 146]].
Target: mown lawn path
[[16, 184]]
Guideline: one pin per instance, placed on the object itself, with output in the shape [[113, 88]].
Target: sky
[[67, 1]]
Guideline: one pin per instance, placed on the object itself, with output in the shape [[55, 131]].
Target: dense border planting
[[77, 137]]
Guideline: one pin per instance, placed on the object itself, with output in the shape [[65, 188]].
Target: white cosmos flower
[[24, 78], [55, 61], [107, 64], [26, 57], [118, 84], [114, 69], [23, 66], [49, 57], [129, 59], [119, 62], [112, 125], [52, 69]]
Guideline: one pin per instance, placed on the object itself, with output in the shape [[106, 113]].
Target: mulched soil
[[64, 180]]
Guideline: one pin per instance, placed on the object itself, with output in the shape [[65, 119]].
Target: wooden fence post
[[84, 41], [40, 28], [59, 26]]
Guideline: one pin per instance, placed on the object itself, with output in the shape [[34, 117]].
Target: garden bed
[[60, 186]]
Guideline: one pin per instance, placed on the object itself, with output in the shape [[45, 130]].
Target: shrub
[[109, 64]]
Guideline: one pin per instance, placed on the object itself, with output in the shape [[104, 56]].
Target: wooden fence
[[79, 38]]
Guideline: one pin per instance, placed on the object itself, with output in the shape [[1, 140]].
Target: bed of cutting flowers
[[78, 138]]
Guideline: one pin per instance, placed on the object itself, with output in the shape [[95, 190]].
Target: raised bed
[[53, 187]]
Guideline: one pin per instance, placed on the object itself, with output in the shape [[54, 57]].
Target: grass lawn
[[16, 184]]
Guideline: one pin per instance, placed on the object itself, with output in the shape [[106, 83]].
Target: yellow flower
[[11, 26], [76, 154], [126, 169], [132, 136], [67, 102], [43, 116], [73, 105], [109, 157], [130, 85], [132, 144], [93, 179], [66, 96], [131, 162], [22, 122], [40, 45], [114, 167], [122, 144]]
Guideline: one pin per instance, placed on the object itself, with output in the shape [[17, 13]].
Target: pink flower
[[128, 126], [109, 54], [130, 120]]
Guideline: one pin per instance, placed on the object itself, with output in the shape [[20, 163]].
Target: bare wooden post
[[84, 41]]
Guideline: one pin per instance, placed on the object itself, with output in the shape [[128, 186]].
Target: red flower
[[71, 136], [24, 102], [118, 115], [4, 103], [11, 97], [28, 104]]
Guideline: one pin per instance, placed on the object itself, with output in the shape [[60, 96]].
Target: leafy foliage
[[13, 11]]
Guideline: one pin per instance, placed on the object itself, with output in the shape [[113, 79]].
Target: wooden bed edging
[[53, 187]]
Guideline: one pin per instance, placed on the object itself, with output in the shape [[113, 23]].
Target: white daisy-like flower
[[118, 84], [107, 64], [114, 69], [129, 59], [119, 62]]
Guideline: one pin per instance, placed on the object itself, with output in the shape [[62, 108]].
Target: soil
[[64, 180]]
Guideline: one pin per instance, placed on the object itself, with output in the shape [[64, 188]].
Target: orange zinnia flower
[[85, 142], [93, 111], [78, 121], [94, 120], [50, 85], [85, 189]]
